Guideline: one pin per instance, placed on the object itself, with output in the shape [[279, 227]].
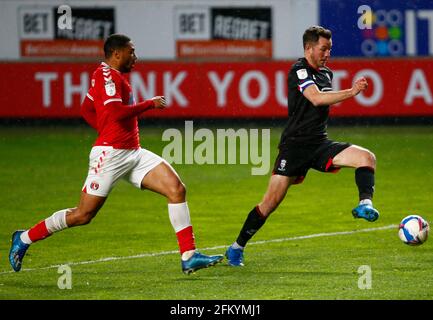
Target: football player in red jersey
[[109, 107]]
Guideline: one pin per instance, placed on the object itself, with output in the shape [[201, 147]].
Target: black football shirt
[[306, 123]]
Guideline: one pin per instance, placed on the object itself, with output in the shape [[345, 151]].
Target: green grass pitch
[[129, 251]]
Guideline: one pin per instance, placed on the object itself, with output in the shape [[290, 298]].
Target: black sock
[[364, 177], [252, 224]]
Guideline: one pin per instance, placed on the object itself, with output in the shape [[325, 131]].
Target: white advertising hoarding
[[155, 26]]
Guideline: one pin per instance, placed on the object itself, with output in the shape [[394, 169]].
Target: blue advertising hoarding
[[379, 28]]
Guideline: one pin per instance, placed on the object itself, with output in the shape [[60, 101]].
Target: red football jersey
[[109, 88]]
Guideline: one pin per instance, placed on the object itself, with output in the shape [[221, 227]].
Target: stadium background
[[230, 56], [213, 60]]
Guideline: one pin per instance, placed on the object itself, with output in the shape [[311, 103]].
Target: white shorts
[[107, 165]]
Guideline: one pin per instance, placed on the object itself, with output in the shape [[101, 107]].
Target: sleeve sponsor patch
[[110, 88], [302, 74]]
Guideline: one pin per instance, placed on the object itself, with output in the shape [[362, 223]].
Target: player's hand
[[159, 102], [360, 85]]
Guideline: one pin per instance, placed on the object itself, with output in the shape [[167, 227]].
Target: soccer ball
[[413, 230]]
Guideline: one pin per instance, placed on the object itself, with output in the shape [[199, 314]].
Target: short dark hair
[[312, 34], [114, 42]]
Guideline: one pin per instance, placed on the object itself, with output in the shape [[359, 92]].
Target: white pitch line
[[162, 253]]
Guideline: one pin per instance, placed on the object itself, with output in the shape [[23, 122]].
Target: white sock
[[54, 223], [366, 201], [25, 237], [187, 254], [235, 245], [57, 221], [179, 215]]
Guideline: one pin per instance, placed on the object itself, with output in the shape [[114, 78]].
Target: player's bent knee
[[180, 190], [373, 158], [369, 160], [177, 192]]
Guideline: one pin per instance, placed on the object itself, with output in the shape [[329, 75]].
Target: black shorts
[[295, 160]]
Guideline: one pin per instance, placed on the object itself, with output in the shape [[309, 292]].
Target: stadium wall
[[398, 87]]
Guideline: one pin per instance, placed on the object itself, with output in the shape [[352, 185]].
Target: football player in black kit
[[304, 143]]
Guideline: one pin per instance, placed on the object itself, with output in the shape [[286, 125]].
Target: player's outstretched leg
[[257, 217], [22, 239], [58, 221], [17, 251]]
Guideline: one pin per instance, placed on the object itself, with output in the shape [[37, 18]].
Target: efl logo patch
[[110, 88], [302, 74], [94, 185]]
